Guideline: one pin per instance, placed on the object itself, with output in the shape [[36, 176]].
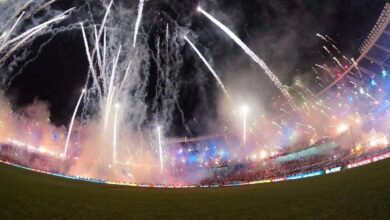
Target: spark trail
[[115, 136], [91, 63], [125, 76], [111, 90], [102, 60], [138, 21], [327, 50], [27, 35], [103, 25], [160, 148], [254, 57], [208, 66], [12, 28], [323, 38], [338, 62], [44, 6], [57, 18], [72, 122]]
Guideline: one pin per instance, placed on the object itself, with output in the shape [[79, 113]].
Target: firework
[[138, 21], [254, 57], [127, 142], [209, 67], [72, 122]]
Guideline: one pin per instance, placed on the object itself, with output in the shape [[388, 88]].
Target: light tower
[[244, 110]]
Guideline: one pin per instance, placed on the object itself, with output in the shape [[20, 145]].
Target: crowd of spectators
[[271, 169]]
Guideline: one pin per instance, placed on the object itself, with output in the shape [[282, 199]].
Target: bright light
[[342, 128], [358, 121], [361, 91], [245, 109], [263, 154], [379, 142], [384, 73], [198, 8], [373, 82], [254, 157]]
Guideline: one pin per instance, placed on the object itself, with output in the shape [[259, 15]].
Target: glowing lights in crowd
[[384, 73], [382, 141], [373, 82], [35, 148]]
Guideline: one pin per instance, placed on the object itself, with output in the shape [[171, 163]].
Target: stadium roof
[[375, 52]]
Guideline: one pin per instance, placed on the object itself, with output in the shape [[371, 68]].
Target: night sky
[[281, 32]]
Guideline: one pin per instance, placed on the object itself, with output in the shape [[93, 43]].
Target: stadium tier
[[299, 165]]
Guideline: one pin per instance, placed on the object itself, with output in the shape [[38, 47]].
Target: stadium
[[138, 144]]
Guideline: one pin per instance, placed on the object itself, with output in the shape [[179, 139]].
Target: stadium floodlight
[[263, 154], [245, 109], [342, 128]]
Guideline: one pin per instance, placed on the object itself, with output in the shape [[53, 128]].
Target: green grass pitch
[[361, 193]]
